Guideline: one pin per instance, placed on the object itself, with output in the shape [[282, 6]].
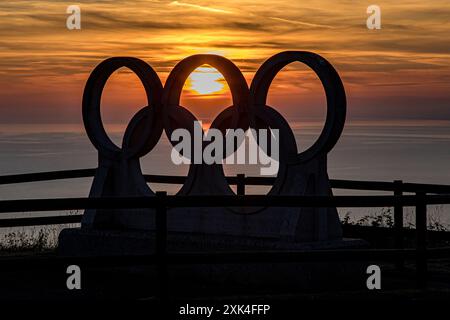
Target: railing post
[[421, 240], [240, 185], [161, 247], [398, 223]]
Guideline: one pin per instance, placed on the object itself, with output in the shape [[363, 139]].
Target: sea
[[412, 151]]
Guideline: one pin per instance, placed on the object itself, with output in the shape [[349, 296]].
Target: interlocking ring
[[335, 119], [299, 173], [144, 130], [334, 90], [233, 117], [249, 106]]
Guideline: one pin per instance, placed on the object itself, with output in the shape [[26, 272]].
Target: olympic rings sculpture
[[119, 172]]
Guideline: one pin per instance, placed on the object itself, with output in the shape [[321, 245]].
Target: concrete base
[[217, 278], [86, 242]]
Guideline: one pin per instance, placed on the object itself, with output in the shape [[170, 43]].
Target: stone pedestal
[[91, 242], [218, 278]]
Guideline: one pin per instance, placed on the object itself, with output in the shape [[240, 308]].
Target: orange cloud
[[43, 66]]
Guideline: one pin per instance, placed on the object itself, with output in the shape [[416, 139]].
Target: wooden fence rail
[[424, 194], [239, 179]]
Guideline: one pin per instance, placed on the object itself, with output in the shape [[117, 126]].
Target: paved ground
[[138, 284]]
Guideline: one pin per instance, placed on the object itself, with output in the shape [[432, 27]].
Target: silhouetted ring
[[150, 131], [174, 86], [334, 90]]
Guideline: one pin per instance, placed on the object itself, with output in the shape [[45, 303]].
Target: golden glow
[[404, 66], [206, 81]]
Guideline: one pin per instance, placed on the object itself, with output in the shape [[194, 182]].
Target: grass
[[41, 239], [32, 239], [385, 219]]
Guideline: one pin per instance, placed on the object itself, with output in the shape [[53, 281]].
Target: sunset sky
[[399, 72]]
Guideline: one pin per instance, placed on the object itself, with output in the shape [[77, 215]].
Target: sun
[[205, 81]]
